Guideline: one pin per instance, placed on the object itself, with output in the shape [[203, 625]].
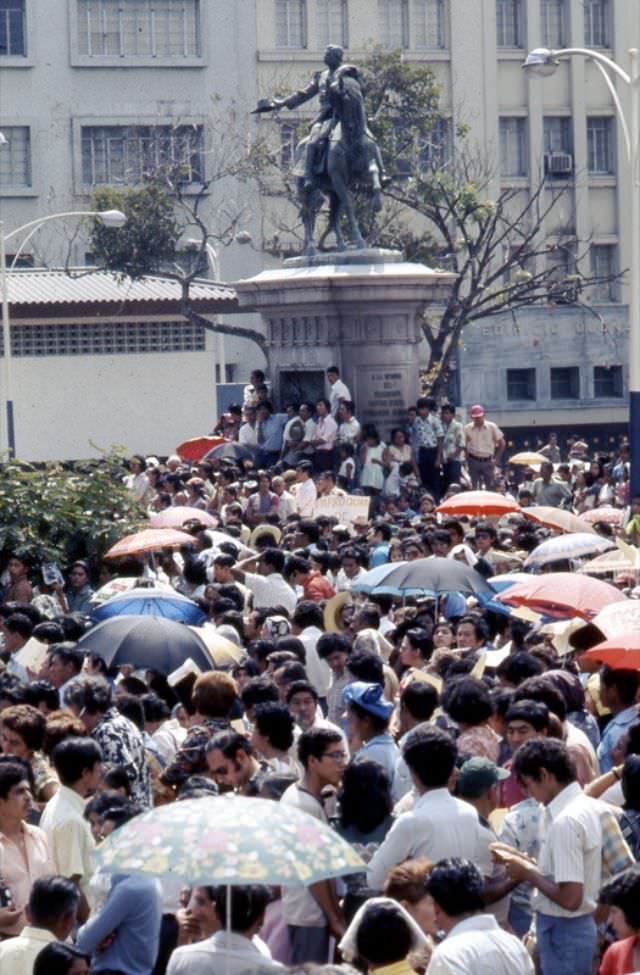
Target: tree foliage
[[149, 238], [61, 513]]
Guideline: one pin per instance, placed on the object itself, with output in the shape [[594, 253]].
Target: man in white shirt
[[51, 915], [312, 913], [439, 825], [349, 427], [568, 874], [338, 390], [474, 944], [234, 952], [268, 585], [306, 624], [248, 432], [286, 501], [78, 762], [305, 490]]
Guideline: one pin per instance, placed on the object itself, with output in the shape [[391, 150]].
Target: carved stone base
[[363, 316]]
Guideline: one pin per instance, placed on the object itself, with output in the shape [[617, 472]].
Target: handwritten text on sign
[[344, 508]]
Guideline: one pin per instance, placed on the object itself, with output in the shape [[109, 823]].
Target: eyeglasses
[[338, 756]]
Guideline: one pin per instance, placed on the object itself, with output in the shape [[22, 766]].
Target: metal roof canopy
[[44, 293]]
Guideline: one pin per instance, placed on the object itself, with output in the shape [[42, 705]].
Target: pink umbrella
[[611, 516], [562, 595], [180, 515]]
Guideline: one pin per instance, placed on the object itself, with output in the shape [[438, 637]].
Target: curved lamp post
[[543, 62], [110, 218]]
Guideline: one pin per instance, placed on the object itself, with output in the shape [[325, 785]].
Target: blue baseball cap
[[370, 697]]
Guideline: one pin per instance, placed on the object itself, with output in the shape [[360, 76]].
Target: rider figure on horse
[[326, 119]]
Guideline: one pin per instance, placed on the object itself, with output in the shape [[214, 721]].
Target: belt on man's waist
[[478, 457]]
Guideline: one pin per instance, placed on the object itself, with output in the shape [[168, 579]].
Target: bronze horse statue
[[350, 162]]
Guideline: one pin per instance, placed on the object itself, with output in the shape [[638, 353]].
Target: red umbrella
[[479, 503], [180, 515], [620, 653], [197, 447], [148, 540], [611, 516], [562, 595]]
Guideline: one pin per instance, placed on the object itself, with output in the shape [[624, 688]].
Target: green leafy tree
[[60, 513]]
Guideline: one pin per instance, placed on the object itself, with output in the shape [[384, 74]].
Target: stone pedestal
[[360, 313]]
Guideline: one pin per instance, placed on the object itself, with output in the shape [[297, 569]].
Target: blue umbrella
[[151, 602]]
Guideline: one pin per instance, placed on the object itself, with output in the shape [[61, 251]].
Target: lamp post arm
[[52, 216], [619, 110], [595, 56]]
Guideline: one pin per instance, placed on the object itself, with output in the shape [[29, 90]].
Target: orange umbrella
[[562, 521], [486, 503], [197, 447], [562, 595], [620, 652], [148, 540]]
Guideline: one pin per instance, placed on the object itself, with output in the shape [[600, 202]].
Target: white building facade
[[91, 88]]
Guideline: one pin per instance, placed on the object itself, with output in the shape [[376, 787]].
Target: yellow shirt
[[482, 441], [398, 968]]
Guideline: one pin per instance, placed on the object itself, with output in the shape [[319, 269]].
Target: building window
[[552, 13], [102, 338], [565, 382], [15, 158], [437, 150], [288, 142], [393, 23], [332, 22], [596, 23], [429, 24], [291, 23], [607, 382], [600, 146], [521, 384], [509, 23], [514, 159], [604, 268], [139, 28], [558, 145], [129, 154], [12, 28]]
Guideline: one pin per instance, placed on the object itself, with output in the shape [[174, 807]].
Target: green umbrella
[[229, 840]]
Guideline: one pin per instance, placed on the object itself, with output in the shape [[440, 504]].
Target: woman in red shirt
[[622, 894]]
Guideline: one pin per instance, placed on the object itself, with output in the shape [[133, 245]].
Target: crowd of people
[[489, 783]]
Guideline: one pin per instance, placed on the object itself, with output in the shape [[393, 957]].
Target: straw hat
[[261, 530], [333, 612]]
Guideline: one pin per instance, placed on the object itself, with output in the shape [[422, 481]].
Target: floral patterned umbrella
[[229, 840]]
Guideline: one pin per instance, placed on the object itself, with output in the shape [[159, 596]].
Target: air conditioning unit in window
[[558, 163]]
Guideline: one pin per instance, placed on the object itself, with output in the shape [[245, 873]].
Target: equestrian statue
[[339, 156]]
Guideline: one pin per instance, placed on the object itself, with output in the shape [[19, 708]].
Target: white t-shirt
[[299, 906]]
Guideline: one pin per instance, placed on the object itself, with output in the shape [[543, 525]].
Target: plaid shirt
[[191, 756], [616, 855]]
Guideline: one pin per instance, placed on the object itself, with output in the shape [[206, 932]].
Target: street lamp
[[543, 62], [110, 218]]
